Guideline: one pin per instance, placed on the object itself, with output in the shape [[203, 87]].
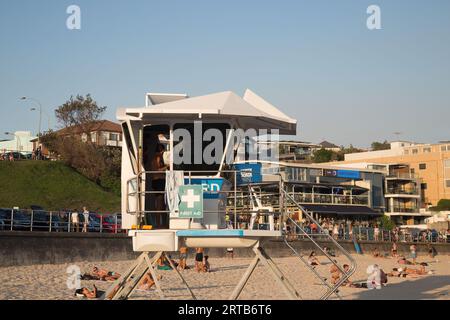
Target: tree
[[100, 164], [380, 145], [386, 223], [323, 155], [79, 111], [442, 205]]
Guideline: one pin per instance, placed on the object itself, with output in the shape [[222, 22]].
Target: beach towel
[[174, 179]]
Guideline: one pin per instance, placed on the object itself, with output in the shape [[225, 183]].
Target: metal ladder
[[352, 263]]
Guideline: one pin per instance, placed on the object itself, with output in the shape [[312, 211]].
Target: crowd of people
[[164, 262], [366, 230], [408, 267]]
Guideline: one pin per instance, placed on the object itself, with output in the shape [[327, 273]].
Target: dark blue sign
[[350, 174], [248, 173]]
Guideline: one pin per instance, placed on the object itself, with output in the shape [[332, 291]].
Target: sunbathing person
[[85, 292], [88, 276], [147, 281], [403, 260], [104, 275], [408, 272], [164, 264], [335, 274], [312, 259], [420, 272], [347, 283], [377, 254]]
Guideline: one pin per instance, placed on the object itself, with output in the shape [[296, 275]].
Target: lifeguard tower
[[194, 202]]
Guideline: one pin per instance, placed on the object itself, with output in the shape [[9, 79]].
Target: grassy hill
[[53, 186]]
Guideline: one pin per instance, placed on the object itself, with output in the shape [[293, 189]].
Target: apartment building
[[429, 163]]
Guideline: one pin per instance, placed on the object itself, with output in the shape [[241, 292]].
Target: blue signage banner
[[350, 174], [248, 173]]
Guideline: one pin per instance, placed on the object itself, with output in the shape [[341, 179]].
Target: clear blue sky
[[315, 60]]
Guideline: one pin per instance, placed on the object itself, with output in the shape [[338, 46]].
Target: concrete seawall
[[27, 248]]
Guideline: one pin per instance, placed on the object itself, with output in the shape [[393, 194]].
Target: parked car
[[109, 223], [42, 221], [16, 156], [5, 219], [21, 220]]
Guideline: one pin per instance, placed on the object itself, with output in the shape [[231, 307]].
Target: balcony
[[413, 192], [401, 175], [404, 210], [318, 198]]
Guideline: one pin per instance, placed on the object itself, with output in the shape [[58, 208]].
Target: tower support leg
[[262, 256], [123, 287]]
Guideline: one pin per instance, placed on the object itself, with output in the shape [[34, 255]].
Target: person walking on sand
[[376, 233], [413, 253], [183, 258], [335, 232], [75, 220], [86, 219]]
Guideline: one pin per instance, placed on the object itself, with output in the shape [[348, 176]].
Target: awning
[[341, 210]]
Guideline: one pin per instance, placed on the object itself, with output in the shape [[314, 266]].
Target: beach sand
[[50, 281]]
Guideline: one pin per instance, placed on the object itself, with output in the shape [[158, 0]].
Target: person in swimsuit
[[85, 292], [312, 259], [147, 281], [159, 184], [335, 274], [206, 265], [199, 259], [105, 275], [394, 253], [183, 258]]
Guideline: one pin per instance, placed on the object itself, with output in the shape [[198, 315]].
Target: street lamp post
[[45, 114], [40, 115]]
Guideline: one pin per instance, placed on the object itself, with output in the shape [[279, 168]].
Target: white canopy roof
[[249, 112], [158, 98]]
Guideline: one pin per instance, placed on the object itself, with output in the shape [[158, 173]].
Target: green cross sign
[[191, 201]]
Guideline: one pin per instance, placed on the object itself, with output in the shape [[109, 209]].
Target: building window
[[114, 136], [447, 183], [423, 186], [426, 150], [415, 151], [447, 163], [443, 148], [422, 166]]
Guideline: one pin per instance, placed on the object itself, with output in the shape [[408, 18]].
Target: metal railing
[[57, 221], [345, 274], [237, 199], [402, 175], [361, 233], [402, 191]]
